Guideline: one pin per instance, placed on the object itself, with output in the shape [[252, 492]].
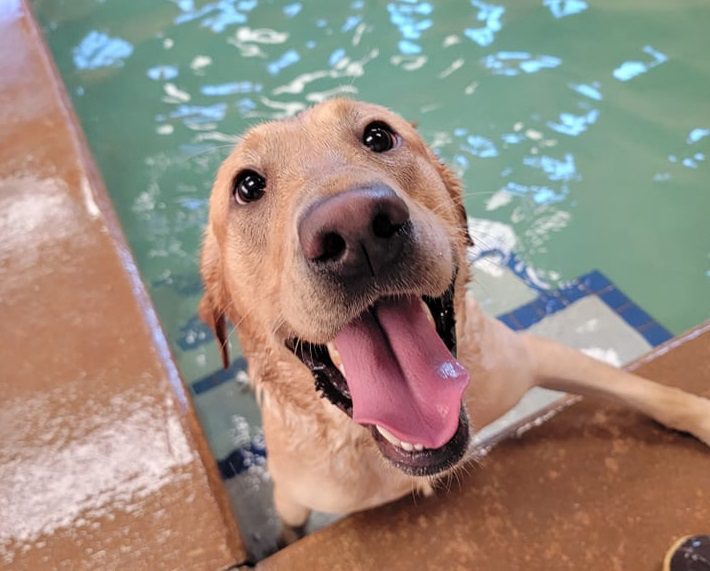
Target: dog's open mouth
[[394, 371]]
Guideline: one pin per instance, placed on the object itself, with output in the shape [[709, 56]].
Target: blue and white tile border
[[593, 283]]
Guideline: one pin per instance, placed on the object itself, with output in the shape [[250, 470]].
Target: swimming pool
[[581, 130]]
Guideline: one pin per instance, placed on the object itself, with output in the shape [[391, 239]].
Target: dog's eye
[[248, 186], [378, 137]]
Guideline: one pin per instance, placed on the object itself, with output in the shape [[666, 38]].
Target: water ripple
[[411, 19], [555, 169], [287, 59], [562, 8], [344, 67], [491, 16], [630, 69], [98, 50], [230, 88], [697, 134], [292, 10], [574, 125], [217, 16], [513, 63], [162, 72], [591, 90]]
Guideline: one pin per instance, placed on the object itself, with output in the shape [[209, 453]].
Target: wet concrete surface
[[596, 487], [102, 464]]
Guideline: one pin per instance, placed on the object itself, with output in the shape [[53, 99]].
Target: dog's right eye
[[248, 186], [379, 137]]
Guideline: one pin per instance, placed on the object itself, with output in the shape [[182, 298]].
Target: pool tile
[[529, 314], [595, 281], [573, 293], [552, 303], [655, 334], [497, 289], [614, 298], [635, 316], [589, 324], [511, 322], [218, 377]]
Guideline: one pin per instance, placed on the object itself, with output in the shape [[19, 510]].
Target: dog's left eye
[[248, 186], [378, 137]]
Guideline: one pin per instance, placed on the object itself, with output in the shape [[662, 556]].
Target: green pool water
[[584, 126]]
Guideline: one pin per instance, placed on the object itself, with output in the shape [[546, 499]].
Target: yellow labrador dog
[[336, 245]]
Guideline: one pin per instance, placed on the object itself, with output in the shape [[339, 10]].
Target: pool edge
[[91, 203]]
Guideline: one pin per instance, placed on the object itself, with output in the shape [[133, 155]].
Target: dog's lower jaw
[[427, 462]]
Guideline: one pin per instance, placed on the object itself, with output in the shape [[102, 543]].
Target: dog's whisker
[[479, 232], [280, 320], [212, 150], [466, 194], [441, 207], [238, 323], [484, 241]]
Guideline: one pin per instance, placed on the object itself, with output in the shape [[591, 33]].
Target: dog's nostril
[[332, 247], [357, 231], [383, 227]]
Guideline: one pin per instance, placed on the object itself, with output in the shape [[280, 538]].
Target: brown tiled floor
[[597, 487], [101, 462]]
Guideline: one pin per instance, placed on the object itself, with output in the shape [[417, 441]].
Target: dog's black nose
[[356, 232]]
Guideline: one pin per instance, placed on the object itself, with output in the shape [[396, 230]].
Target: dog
[[337, 246]]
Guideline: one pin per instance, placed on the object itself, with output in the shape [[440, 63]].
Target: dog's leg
[[293, 517], [562, 368]]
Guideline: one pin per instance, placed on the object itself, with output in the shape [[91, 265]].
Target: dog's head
[[339, 235]]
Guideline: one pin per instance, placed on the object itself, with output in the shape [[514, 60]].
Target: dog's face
[[339, 235]]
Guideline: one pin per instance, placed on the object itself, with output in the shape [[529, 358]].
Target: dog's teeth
[[335, 357], [334, 354], [388, 435], [428, 314], [391, 438]]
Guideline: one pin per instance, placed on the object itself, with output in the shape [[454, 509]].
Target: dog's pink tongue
[[401, 375]]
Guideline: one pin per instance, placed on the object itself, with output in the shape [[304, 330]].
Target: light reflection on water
[[562, 8], [98, 50], [630, 69], [574, 125], [556, 114], [491, 16], [412, 19], [217, 16], [513, 63]]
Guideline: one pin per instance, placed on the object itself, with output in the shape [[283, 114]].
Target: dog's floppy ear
[[214, 317], [213, 306], [455, 188]]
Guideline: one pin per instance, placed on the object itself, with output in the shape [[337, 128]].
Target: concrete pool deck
[[102, 462], [103, 465]]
